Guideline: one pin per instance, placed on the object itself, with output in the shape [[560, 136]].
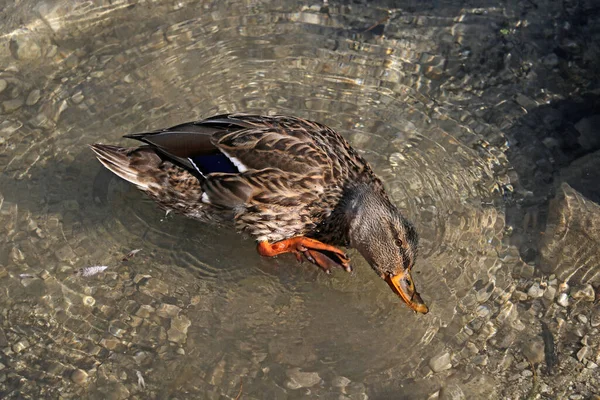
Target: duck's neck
[[348, 224], [362, 206]]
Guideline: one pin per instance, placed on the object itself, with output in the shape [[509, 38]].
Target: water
[[197, 312]]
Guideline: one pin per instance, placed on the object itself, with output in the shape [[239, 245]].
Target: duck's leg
[[316, 252]]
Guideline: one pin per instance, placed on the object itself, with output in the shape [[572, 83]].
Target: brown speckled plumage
[[293, 178]]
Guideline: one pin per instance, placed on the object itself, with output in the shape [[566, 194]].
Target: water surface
[[197, 312]]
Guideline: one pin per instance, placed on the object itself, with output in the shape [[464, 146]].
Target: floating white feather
[[91, 271]]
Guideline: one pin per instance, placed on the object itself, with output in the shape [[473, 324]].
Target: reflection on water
[[197, 311]]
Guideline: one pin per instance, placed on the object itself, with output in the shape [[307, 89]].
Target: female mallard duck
[[296, 186]]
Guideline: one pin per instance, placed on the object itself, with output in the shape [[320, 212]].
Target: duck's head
[[388, 242]]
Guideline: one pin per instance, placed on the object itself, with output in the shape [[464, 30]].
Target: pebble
[[144, 311], [357, 390], [155, 286], [518, 325], [482, 311], [563, 300], [16, 255], [134, 321], [528, 271], [595, 318], [434, 396], [563, 286], [65, 253], [527, 373], [167, 310], [20, 346], [452, 392], [24, 47], [3, 85], [298, 379], [519, 296], [117, 328], [3, 339], [588, 132], [114, 391], [472, 347], [533, 350], [216, 377], [179, 327], [12, 105], [481, 359], [110, 343], [340, 381], [507, 312], [514, 377], [77, 98], [550, 293], [585, 293], [525, 101], [468, 330], [535, 291], [522, 365], [441, 362], [591, 365], [71, 61], [551, 143], [52, 51], [33, 97], [88, 301], [551, 60], [140, 357], [582, 354], [79, 377], [582, 318]]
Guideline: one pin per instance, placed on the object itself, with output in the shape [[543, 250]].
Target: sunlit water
[[80, 73]]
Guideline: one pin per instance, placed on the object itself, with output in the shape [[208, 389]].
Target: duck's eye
[[408, 282], [399, 242]]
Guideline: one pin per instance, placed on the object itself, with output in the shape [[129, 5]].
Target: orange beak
[[403, 286]]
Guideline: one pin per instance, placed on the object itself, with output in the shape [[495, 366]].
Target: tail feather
[[119, 161], [172, 187]]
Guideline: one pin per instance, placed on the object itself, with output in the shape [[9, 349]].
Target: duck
[[293, 185]]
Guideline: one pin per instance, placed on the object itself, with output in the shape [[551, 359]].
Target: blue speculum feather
[[207, 164]]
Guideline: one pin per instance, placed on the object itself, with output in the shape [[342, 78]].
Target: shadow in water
[[551, 144]]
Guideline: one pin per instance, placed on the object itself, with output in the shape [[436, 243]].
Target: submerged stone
[[79, 377], [299, 379], [585, 293], [441, 362]]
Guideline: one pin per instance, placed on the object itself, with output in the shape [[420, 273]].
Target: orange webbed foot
[[320, 254]]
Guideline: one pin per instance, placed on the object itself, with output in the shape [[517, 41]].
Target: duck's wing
[[240, 157], [283, 143], [187, 145], [239, 142]]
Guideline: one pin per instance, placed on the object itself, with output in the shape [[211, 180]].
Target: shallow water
[[197, 312]]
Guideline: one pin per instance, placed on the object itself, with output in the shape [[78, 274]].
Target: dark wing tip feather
[[136, 136]]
